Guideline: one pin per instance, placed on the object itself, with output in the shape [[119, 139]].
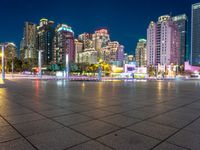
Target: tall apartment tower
[[64, 44], [163, 42], [29, 45], [182, 24], [195, 35], [141, 53], [45, 36], [100, 39]]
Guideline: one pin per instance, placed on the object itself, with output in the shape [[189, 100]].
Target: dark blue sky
[[126, 20]]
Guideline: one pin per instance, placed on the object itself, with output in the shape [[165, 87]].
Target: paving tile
[[168, 146], [97, 113], [90, 145], [168, 121], [24, 118], [186, 139], [156, 109], [41, 107], [56, 112], [16, 111], [128, 140], [19, 144], [94, 128], [120, 120], [72, 119], [117, 109], [139, 114], [7, 133], [36, 127], [58, 139], [152, 129], [194, 127], [80, 108], [184, 114]]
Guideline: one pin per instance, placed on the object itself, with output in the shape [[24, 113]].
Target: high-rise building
[[86, 39], [29, 41], [141, 52], [163, 42], [97, 47], [120, 53], [113, 52], [64, 44], [195, 36], [45, 36], [182, 23], [109, 53], [78, 50], [88, 56], [100, 39]]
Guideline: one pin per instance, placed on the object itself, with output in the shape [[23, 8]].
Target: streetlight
[[40, 63], [3, 61], [3, 46], [100, 70], [67, 66]]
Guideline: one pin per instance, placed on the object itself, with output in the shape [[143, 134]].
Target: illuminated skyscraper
[[64, 44], [195, 35], [29, 41], [100, 39], [182, 23], [141, 53], [86, 39], [163, 42], [120, 53], [45, 36]]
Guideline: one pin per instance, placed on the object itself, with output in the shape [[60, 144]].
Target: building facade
[[78, 50], [86, 39], [195, 36], [89, 56], [45, 38], [182, 24], [141, 53], [64, 44], [29, 41], [163, 42], [100, 39]]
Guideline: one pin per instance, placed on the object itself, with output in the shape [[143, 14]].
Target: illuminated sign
[[129, 68]]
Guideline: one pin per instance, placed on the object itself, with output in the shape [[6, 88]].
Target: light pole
[[67, 66], [99, 72], [3, 61], [40, 63], [12, 67]]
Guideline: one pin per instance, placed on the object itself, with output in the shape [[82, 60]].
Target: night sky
[[126, 20]]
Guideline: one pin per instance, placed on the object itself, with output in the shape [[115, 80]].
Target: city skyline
[[108, 17]]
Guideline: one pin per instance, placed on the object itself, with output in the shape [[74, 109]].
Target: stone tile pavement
[[58, 115]]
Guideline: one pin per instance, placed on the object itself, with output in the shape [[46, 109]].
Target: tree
[[53, 67], [151, 71], [74, 67], [28, 64]]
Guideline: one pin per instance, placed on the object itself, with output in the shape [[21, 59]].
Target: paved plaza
[[58, 115]]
